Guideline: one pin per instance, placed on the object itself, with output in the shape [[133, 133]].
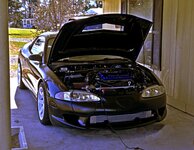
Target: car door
[[33, 75]]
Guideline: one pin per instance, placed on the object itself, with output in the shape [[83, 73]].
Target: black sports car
[[85, 76]]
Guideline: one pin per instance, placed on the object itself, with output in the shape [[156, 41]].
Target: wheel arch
[[45, 86]]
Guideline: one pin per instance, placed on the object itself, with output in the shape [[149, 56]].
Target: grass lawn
[[14, 46], [19, 33], [22, 33]]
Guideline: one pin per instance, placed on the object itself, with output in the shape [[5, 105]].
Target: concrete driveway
[[176, 132]]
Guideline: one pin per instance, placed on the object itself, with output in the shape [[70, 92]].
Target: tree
[[27, 5], [15, 13], [50, 15]]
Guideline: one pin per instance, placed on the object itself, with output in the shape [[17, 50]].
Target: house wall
[[177, 51]]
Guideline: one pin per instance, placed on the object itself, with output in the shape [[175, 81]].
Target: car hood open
[[93, 35]]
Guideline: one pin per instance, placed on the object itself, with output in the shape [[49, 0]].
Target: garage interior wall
[[178, 53], [177, 71], [111, 6]]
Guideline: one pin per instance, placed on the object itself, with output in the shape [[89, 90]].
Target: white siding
[[178, 53]]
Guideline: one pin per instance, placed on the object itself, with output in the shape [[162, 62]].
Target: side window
[[38, 46]]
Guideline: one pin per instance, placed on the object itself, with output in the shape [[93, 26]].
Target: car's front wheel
[[42, 106], [19, 77]]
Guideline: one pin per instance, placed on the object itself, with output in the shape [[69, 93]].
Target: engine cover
[[114, 75]]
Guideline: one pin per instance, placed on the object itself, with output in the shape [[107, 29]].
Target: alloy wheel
[[41, 103]]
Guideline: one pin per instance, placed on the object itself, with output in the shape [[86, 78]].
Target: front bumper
[[119, 111]]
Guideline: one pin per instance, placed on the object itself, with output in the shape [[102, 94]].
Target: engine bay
[[98, 77]]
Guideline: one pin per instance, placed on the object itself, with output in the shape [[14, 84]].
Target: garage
[[172, 61]]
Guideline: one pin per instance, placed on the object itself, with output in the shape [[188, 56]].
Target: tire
[[42, 107], [19, 77]]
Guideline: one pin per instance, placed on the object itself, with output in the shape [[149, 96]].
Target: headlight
[[77, 96], [152, 91]]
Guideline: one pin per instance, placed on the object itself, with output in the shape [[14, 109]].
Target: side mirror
[[35, 57]]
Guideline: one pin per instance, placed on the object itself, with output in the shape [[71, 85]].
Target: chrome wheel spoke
[[41, 102]]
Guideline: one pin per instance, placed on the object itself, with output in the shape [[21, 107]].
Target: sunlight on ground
[[13, 87]]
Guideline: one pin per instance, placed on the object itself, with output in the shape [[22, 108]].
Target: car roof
[[49, 34]]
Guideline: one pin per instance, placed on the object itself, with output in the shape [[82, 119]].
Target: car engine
[[104, 77]]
